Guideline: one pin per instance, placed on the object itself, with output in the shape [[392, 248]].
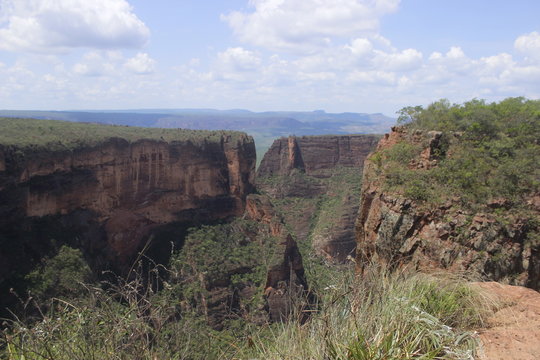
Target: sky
[[366, 56]]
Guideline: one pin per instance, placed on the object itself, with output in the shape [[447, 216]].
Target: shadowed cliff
[[112, 196]]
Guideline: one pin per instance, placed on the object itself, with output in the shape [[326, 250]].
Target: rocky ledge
[[397, 230]]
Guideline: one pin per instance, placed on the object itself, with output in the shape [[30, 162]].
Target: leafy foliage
[[60, 276], [494, 153], [232, 255]]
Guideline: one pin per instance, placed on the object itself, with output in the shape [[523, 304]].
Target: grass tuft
[[386, 315]]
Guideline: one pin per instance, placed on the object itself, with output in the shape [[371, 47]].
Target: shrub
[[62, 275]]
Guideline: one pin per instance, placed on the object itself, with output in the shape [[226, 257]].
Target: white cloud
[[529, 44], [379, 78], [360, 47], [141, 64], [97, 63], [307, 25], [58, 25], [406, 60], [239, 59]]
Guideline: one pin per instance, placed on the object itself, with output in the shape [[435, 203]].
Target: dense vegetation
[[315, 204], [152, 312], [52, 135], [490, 152], [399, 315]]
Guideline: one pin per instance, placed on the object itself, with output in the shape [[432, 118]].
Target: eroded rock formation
[[396, 230], [286, 285], [316, 171], [110, 199]]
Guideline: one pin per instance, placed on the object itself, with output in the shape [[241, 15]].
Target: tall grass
[[127, 320], [385, 315], [382, 315]]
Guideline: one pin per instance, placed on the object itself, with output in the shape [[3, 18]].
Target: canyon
[[314, 181]]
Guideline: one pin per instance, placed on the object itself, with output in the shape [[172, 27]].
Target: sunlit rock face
[[109, 199]]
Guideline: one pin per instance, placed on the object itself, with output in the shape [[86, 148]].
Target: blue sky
[[339, 55]]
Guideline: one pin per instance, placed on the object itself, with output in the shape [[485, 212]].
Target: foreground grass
[[383, 315]]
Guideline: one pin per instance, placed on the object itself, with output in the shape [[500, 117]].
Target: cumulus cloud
[[529, 44], [380, 78], [360, 47], [58, 25], [238, 58], [141, 64], [408, 59], [96, 63], [307, 25]]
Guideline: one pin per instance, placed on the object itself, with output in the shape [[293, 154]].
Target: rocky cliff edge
[[395, 229]]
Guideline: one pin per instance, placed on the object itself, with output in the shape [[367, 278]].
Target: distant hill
[[263, 126]]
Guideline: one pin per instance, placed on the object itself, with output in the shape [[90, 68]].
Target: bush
[[60, 276], [496, 156]]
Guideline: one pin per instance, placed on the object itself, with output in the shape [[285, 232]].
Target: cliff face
[[394, 229], [314, 181], [110, 198], [316, 155]]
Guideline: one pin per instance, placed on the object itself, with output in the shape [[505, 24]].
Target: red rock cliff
[[314, 154], [393, 229], [124, 191]]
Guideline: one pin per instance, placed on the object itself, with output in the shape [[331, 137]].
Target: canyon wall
[[492, 243], [316, 155], [113, 198], [313, 180]]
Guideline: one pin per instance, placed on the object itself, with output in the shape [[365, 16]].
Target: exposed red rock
[[316, 155], [393, 229], [513, 331], [125, 189]]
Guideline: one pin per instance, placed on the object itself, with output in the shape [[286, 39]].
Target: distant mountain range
[[263, 126]]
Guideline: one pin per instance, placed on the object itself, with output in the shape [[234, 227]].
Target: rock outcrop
[[394, 229], [110, 200], [311, 176], [316, 155], [286, 285]]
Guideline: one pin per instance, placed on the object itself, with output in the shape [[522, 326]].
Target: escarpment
[[316, 155], [115, 198], [313, 180], [405, 218]]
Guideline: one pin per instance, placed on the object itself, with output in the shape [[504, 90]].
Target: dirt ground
[[513, 331]]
